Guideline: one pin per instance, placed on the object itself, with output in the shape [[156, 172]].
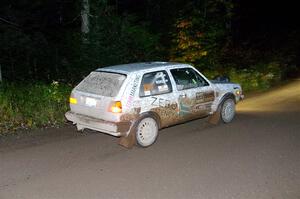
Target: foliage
[[257, 77], [32, 105], [32, 37], [41, 48], [201, 34], [114, 40]]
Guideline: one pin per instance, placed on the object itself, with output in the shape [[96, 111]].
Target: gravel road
[[256, 156]]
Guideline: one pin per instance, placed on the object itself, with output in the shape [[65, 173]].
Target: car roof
[[134, 67]]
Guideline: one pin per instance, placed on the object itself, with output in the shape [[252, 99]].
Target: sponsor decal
[[132, 91], [164, 103]]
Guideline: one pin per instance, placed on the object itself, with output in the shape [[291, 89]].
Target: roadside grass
[[29, 106]]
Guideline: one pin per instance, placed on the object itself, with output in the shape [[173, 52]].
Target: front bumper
[[242, 97], [112, 128], [239, 98]]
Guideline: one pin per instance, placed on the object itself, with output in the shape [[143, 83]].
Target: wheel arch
[[150, 114], [226, 96]]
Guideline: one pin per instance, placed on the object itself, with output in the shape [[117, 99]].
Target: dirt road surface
[[256, 156]]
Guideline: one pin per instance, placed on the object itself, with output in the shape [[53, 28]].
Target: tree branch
[[9, 22]]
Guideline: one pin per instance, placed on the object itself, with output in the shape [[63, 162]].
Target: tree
[[85, 12], [201, 32]]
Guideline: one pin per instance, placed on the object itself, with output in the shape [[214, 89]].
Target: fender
[[215, 117], [227, 95]]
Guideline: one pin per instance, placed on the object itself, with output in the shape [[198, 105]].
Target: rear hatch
[[95, 94]]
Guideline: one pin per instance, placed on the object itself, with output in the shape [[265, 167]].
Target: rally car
[[134, 101]]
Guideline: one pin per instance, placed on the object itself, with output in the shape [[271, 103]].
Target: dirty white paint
[[129, 95], [171, 106]]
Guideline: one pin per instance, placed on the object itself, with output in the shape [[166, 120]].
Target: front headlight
[[238, 92]]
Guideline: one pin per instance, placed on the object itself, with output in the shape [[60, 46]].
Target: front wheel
[[146, 132], [228, 110]]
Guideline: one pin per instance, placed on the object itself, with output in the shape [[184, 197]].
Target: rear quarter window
[[102, 83]]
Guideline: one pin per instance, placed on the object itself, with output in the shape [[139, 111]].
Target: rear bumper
[[112, 128]]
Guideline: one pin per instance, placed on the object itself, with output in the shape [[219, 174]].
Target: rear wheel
[[146, 132], [228, 110]]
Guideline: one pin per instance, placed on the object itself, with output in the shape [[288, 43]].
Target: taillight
[[116, 107], [73, 100]]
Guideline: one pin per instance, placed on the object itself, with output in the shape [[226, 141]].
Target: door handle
[[183, 95]]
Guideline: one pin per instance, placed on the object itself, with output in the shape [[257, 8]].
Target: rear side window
[[102, 83], [155, 83]]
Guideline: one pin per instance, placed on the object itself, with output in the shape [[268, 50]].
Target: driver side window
[[187, 78]]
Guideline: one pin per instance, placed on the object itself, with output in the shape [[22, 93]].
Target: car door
[[156, 94], [194, 94]]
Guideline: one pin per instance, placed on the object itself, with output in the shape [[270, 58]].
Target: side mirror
[[223, 78]]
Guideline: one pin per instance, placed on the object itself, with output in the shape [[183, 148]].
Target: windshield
[[102, 83]]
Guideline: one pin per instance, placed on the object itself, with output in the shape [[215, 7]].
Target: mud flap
[[128, 141], [215, 117]]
